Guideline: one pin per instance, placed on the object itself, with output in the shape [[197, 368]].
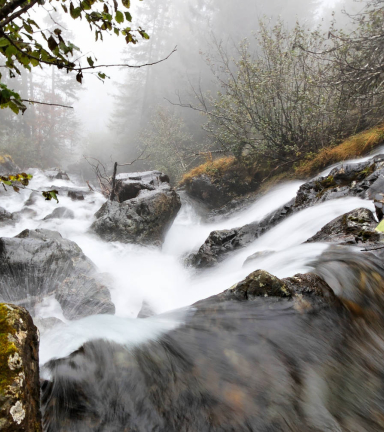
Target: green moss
[[328, 182], [6, 348]]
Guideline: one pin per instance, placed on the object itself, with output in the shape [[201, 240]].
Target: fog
[[110, 117]]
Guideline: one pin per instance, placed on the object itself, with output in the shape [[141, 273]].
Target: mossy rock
[[19, 371], [259, 283]]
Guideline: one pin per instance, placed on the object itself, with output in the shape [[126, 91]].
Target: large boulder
[[40, 263], [259, 357], [354, 227], [129, 185], [364, 180], [19, 371], [144, 209]]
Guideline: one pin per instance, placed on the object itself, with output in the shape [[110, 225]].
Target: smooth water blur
[[158, 277]]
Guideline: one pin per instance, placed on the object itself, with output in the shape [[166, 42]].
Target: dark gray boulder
[[363, 180], [354, 227], [19, 366], [61, 213], [222, 242], [129, 185], [39, 263], [142, 219]]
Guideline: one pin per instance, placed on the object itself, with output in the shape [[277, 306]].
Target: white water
[[159, 277]]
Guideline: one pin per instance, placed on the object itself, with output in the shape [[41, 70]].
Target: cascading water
[[159, 278]]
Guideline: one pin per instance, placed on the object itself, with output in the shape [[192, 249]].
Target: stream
[[158, 278]]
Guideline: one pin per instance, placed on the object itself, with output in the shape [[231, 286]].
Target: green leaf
[[126, 3], [3, 42], [48, 195], [52, 44], [119, 17], [90, 61], [128, 16]]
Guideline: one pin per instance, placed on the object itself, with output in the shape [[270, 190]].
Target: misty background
[[120, 118]]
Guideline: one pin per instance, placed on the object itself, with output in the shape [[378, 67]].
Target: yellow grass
[[213, 168], [354, 146]]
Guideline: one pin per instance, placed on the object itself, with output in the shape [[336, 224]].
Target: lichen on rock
[[19, 371]]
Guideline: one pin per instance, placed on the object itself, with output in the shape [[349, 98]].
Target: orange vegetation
[[211, 168], [352, 147]]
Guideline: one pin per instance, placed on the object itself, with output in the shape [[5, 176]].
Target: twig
[[373, 249], [90, 187], [45, 103]]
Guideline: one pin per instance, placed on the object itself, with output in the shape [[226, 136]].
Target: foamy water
[[159, 277]]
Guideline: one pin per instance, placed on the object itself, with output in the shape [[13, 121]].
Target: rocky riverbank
[[250, 357]]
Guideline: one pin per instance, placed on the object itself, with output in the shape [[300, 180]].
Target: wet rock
[[220, 243], [44, 324], [61, 213], [76, 195], [25, 212], [144, 219], [56, 174], [33, 198], [83, 295], [217, 191], [146, 311], [6, 217], [19, 368], [8, 166], [362, 180], [38, 263], [258, 284], [256, 256], [354, 227], [129, 185], [237, 362]]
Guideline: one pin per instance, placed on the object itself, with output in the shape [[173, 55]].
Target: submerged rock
[[61, 213], [19, 371], [142, 219], [356, 226], [76, 195], [256, 256], [39, 263], [56, 174], [6, 217], [33, 198]]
